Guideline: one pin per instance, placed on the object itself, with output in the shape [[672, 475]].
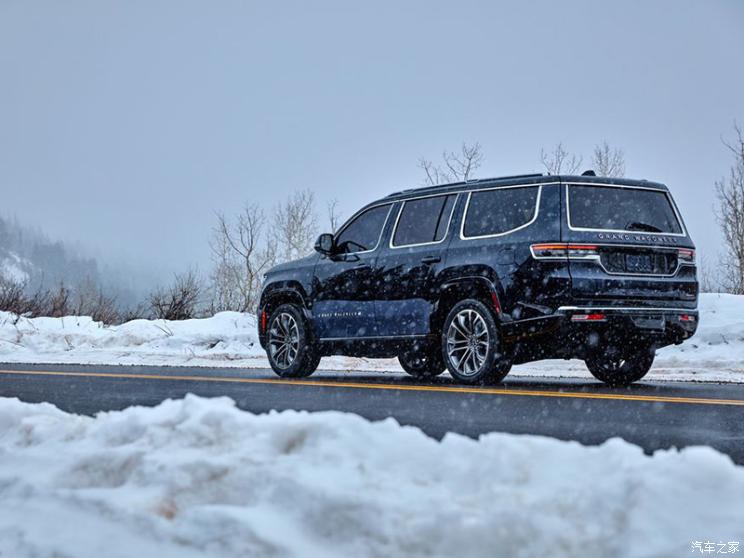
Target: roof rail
[[510, 177], [471, 181]]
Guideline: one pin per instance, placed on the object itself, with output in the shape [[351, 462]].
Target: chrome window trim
[[400, 212], [586, 229], [358, 214], [539, 186]]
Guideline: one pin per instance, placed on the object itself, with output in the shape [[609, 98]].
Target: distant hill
[[28, 256]]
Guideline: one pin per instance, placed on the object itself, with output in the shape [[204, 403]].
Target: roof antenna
[[589, 172]]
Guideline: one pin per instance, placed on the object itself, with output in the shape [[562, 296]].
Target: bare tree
[[13, 297], [455, 166], [607, 161], [90, 300], [730, 215], [295, 225], [560, 161], [180, 300], [706, 276], [241, 257], [334, 220], [59, 302]]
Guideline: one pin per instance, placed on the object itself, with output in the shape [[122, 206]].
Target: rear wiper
[[638, 226]]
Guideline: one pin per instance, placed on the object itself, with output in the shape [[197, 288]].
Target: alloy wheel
[[467, 342], [284, 340]]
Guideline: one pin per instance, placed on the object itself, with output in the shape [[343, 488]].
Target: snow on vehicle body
[[479, 275]]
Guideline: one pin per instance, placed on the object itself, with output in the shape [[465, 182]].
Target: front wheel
[[472, 346], [618, 367], [291, 351]]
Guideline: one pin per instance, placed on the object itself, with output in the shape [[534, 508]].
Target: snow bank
[[716, 353], [225, 337], [198, 477]]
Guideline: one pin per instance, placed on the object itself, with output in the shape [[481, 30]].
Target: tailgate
[[630, 247]]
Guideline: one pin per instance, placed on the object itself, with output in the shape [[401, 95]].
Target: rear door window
[[499, 211], [363, 233], [621, 209], [423, 221]]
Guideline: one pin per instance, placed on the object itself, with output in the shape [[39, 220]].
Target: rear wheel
[[423, 360], [290, 348], [472, 346], [619, 366]]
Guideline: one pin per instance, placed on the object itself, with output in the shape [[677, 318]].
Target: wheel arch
[[273, 296], [453, 291]]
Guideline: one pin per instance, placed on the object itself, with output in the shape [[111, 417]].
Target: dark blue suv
[[476, 276]]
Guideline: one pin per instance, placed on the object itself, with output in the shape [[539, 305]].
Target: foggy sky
[[126, 125]]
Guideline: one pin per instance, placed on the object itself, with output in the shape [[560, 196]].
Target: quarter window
[[363, 233], [423, 220], [500, 211]]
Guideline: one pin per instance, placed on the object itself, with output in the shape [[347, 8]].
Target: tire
[[422, 361], [289, 345], [471, 344], [616, 367]]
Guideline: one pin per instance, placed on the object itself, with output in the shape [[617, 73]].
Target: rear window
[[621, 209], [500, 211], [424, 220]]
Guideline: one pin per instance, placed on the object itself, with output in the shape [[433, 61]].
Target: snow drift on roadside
[[198, 477], [716, 353]]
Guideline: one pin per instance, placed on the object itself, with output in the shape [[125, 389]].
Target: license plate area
[[637, 261], [657, 323]]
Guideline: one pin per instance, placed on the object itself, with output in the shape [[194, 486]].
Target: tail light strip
[[563, 251], [568, 251]]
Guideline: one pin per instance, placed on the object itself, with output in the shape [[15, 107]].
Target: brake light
[[686, 255], [496, 303], [588, 317], [564, 251], [686, 318]]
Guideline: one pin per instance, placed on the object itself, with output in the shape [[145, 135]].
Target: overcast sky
[[125, 125]]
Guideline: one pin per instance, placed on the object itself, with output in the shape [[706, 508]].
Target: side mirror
[[325, 244]]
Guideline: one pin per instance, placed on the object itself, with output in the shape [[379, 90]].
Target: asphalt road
[[652, 415]]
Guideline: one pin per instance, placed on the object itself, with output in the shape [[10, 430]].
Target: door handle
[[431, 259]]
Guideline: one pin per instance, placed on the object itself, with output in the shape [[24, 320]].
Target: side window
[[500, 211], [423, 220], [363, 233]]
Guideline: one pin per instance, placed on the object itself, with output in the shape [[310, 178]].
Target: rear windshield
[[621, 209]]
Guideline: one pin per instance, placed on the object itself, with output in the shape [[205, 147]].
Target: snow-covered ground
[[716, 353], [198, 477]]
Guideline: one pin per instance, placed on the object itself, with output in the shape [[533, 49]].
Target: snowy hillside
[[198, 477], [716, 352], [13, 268]]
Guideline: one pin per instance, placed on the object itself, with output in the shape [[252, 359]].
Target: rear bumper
[[667, 325], [574, 331]]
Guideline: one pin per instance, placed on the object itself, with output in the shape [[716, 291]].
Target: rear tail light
[[588, 317], [263, 321], [564, 251], [686, 255], [686, 318], [496, 303]]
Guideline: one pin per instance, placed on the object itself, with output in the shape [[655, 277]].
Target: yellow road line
[[502, 390]]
